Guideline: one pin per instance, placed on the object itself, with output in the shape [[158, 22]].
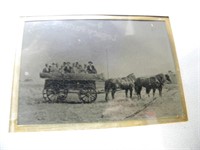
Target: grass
[[32, 110]]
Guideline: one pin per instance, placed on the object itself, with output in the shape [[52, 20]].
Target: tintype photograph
[[79, 72]]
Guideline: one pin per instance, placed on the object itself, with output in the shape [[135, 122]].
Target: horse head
[[167, 78], [161, 78]]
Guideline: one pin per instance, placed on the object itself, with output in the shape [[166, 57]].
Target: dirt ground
[[32, 109]]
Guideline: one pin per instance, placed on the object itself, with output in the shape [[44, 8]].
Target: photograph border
[[14, 127]]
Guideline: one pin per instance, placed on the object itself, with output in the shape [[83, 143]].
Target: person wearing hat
[[90, 68], [68, 68]]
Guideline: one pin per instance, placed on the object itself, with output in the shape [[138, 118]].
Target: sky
[[116, 47]]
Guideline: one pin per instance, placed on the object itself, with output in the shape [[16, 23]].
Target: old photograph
[[82, 71]]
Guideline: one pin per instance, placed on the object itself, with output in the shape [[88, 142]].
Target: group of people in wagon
[[67, 67]]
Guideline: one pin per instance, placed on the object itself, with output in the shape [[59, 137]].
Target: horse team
[[130, 83]]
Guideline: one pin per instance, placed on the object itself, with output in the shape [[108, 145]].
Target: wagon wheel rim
[[88, 95]]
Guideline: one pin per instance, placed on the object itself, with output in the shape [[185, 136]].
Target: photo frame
[[95, 71]]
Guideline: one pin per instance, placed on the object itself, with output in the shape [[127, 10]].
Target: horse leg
[[154, 90], [106, 95], [107, 88], [113, 93], [126, 92], [139, 94], [160, 91], [131, 92], [138, 90], [148, 91]]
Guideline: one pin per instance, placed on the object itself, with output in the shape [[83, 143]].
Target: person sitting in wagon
[[46, 69], [75, 67], [85, 68], [81, 69], [50, 68], [61, 69], [53, 67], [68, 68], [91, 69]]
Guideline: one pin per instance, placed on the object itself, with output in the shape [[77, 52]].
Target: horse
[[125, 83], [153, 82]]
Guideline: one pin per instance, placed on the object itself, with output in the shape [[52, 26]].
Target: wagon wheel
[[88, 95], [55, 95]]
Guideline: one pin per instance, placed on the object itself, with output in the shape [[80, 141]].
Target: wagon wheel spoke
[[52, 95], [83, 96], [93, 96], [85, 99], [50, 92]]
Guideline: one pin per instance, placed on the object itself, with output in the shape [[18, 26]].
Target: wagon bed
[[57, 86]]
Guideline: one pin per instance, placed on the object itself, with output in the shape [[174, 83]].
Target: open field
[[32, 110]]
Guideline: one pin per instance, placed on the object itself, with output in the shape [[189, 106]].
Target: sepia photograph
[[82, 72]]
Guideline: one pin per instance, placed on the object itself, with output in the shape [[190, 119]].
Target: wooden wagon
[[57, 86]]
